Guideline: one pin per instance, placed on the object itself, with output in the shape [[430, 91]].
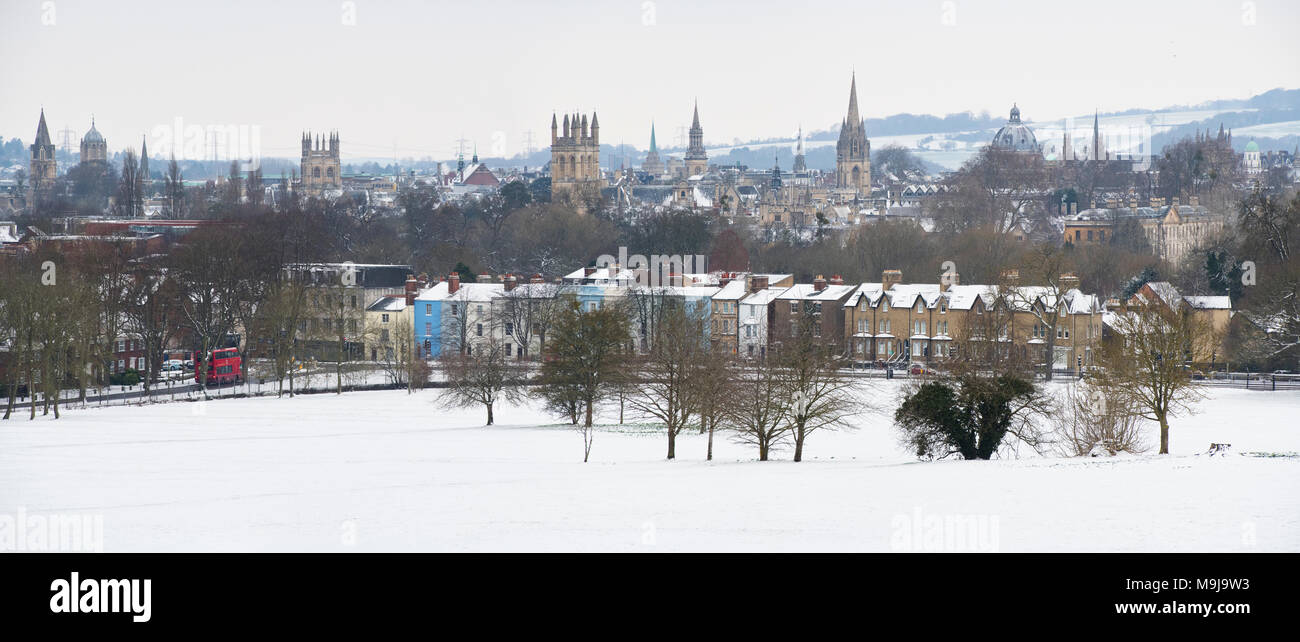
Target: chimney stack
[[757, 282], [837, 279], [412, 287], [537, 278], [890, 278], [948, 279], [1011, 277], [453, 282], [819, 283], [509, 282], [1069, 281]]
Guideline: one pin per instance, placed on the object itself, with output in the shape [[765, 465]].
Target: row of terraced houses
[[889, 321]]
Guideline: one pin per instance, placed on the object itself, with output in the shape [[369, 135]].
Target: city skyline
[[397, 82]]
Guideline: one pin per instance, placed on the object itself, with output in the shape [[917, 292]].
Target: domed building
[[1015, 136], [93, 146], [1251, 159]]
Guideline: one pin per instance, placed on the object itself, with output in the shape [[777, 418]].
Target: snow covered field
[[384, 471]]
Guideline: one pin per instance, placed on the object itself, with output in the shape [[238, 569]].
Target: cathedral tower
[[321, 168], [575, 155], [853, 151]]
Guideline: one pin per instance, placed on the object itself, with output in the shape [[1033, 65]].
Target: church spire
[[695, 124], [853, 117], [653, 148], [42, 132]]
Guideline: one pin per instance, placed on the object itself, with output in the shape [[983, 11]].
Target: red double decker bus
[[227, 367]]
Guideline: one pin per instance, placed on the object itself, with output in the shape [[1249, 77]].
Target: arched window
[[329, 171], [315, 172]]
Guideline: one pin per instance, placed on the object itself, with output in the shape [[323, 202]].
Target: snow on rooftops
[[763, 297], [871, 291], [962, 297], [394, 303], [732, 291], [1209, 302], [808, 292]]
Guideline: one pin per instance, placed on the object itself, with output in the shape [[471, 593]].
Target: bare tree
[[174, 188], [482, 375], [715, 388], [585, 361], [822, 396], [759, 407], [670, 371], [1090, 421], [1144, 366]]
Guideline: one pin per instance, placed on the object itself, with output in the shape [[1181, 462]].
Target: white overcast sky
[[422, 74]]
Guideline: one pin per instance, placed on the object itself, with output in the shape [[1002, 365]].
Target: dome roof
[[92, 136], [1015, 136], [1252, 147]]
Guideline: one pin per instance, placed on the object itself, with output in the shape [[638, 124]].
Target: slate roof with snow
[[763, 297], [1209, 302], [806, 292], [393, 303], [733, 291]]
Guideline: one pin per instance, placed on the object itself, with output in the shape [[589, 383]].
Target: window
[[510, 329], [383, 335], [428, 328], [455, 309], [884, 305], [943, 306], [508, 346], [354, 302], [794, 307], [352, 325], [428, 309], [920, 306], [478, 330], [384, 318]]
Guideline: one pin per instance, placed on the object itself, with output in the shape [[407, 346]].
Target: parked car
[[917, 369]]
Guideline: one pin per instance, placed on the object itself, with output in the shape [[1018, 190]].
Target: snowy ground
[[380, 471]]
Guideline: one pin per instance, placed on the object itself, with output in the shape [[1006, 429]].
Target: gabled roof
[[872, 292], [963, 297]]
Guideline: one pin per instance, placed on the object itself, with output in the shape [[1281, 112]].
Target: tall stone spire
[[144, 159], [853, 151], [697, 160], [853, 116], [42, 168], [42, 131], [652, 165]]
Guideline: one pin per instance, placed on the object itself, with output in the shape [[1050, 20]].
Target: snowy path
[[379, 471]]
